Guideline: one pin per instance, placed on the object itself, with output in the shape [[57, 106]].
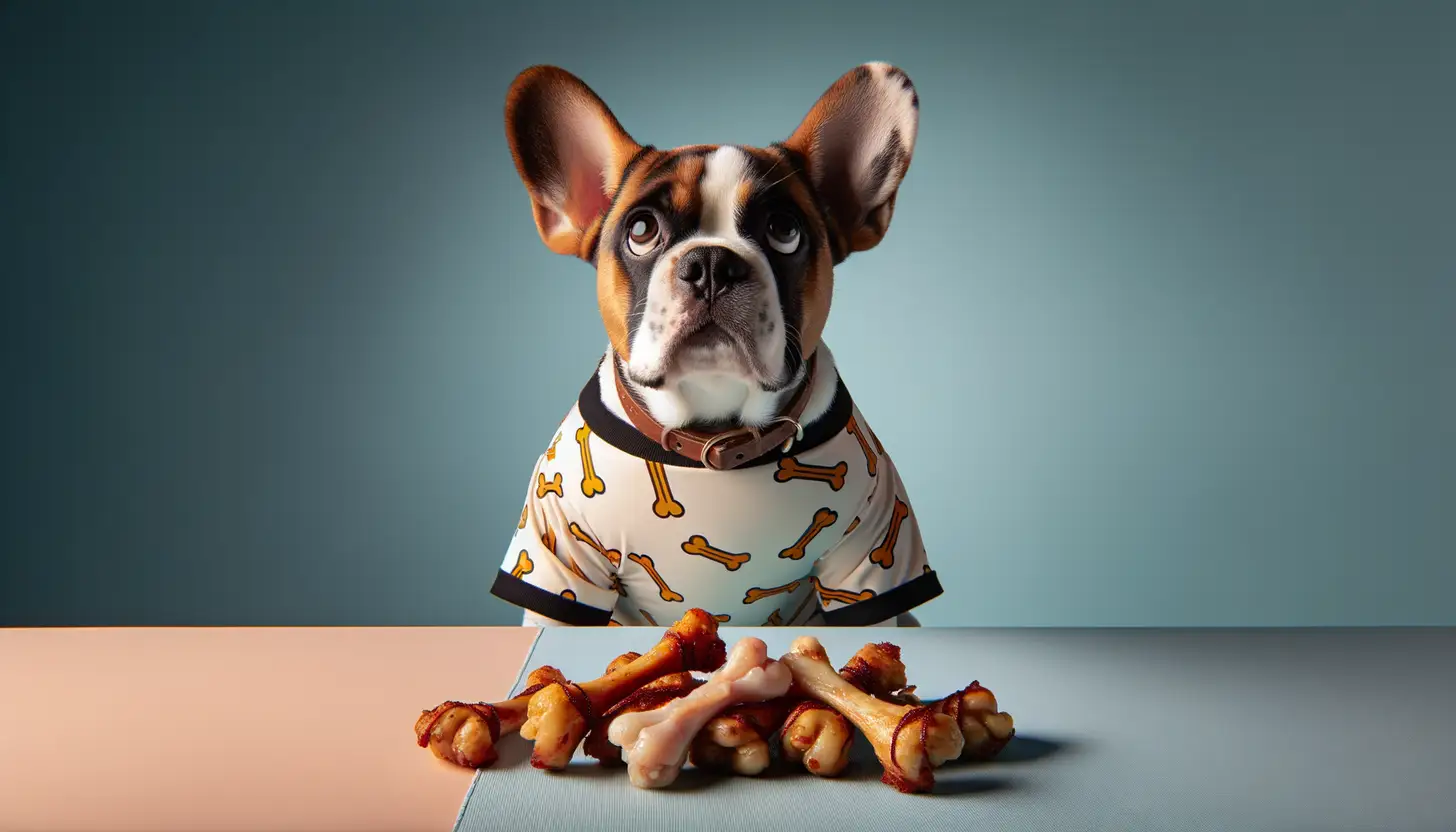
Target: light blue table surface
[[1329, 729]]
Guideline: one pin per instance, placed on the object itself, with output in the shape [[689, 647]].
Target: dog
[[715, 458]]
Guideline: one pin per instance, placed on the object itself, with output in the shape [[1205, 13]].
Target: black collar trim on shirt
[[627, 438], [510, 588], [903, 598]]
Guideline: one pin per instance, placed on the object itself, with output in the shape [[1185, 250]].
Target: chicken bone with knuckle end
[[909, 741], [811, 733], [560, 715], [466, 733], [652, 695], [655, 743], [736, 740]]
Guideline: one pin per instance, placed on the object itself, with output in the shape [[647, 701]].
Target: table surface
[[1330, 729], [309, 729], [204, 729]]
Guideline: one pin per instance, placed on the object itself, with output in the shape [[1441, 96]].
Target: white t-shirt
[[617, 530]]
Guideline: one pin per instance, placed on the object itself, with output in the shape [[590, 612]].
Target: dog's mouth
[[708, 337], [711, 348], [718, 342]]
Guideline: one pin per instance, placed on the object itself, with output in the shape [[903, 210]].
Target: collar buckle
[[723, 437]]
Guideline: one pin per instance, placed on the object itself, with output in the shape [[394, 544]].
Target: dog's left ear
[[856, 143], [570, 152]]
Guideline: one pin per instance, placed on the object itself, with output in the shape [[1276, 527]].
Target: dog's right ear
[[570, 152]]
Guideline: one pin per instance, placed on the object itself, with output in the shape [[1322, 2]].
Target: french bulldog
[[715, 459]]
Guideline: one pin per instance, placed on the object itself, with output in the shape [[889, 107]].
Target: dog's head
[[714, 262]]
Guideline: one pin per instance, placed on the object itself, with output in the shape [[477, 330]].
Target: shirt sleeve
[[879, 568], [554, 566]]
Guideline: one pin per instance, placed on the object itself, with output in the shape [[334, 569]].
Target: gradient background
[[1163, 332]]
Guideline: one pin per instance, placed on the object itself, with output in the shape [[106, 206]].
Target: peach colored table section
[[205, 729]]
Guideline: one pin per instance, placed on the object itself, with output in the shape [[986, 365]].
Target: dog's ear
[[856, 143], [570, 152]]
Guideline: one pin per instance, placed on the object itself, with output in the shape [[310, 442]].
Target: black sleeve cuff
[[903, 598], [510, 588]]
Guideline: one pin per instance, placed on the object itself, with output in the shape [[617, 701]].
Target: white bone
[[655, 743]]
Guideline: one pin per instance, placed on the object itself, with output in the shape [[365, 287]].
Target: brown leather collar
[[719, 451]]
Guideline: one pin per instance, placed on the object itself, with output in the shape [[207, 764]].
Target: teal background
[[1162, 333]]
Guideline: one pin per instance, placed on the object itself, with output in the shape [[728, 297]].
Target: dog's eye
[[783, 233], [643, 233]]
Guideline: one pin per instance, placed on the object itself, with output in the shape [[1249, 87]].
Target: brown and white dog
[[715, 266]]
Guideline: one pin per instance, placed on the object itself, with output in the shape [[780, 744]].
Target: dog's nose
[[711, 270]]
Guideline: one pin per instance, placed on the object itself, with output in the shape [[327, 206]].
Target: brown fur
[[614, 298], [686, 173]]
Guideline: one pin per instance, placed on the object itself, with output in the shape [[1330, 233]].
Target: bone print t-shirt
[[618, 531]]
